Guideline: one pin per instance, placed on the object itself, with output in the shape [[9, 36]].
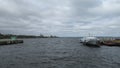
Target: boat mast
[[89, 35]]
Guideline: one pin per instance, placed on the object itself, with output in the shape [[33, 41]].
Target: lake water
[[58, 53]]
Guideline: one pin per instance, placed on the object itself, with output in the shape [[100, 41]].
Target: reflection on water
[[58, 53]]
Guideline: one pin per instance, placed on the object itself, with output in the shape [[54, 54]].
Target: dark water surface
[[58, 53]]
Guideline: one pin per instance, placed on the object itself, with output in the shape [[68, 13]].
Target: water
[[58, 53]]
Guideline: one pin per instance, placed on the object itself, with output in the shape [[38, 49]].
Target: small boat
[[90, 41]]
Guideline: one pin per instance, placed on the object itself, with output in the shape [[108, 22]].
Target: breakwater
[[8, 42]]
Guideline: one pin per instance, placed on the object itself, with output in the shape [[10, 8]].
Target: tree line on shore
[[7, 36]]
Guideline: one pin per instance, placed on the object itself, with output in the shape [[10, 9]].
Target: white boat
[[90, 41]]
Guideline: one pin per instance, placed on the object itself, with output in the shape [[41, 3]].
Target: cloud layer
[[60, 17]]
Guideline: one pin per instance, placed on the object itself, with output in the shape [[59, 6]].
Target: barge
[[115, 42]]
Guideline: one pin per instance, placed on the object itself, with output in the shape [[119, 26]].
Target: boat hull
[[91, 44]]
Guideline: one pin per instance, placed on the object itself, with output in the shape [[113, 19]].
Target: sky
[[65, 18]]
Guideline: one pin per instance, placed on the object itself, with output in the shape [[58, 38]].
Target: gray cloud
[[62, 18]]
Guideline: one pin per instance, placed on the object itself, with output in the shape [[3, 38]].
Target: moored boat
[[90, 41]]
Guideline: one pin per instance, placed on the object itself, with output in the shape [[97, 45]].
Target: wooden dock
[[9, 42]]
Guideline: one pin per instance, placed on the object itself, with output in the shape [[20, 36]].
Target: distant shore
[[8, 36]]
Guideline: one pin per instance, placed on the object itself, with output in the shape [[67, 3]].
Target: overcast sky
[[60, 17]]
